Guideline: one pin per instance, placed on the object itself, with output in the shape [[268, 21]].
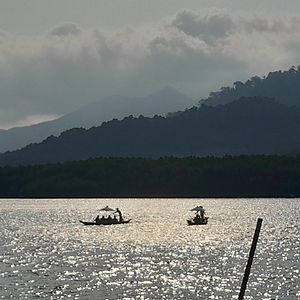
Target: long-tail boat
[[104, 222], [109, 220]]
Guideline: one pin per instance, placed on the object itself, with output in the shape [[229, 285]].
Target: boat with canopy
[[108, 216], [199, 218]]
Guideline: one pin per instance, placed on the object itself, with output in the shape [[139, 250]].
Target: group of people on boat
[[114, 216], [200, 213], [110, 219], [199, 218]]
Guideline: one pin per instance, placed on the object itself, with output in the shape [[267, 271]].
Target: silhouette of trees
[[229, 176], [284, 86]]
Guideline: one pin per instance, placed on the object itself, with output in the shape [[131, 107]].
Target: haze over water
[[46, 253]]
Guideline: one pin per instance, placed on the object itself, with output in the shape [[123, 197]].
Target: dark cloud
[[65, 30], [197, 52], [207, 27]]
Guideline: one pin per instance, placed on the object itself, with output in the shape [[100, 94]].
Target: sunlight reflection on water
[[46, 253]]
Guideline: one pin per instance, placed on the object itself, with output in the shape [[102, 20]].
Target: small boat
[[196, 221], [199, 219], [107, 211], [104, 222]]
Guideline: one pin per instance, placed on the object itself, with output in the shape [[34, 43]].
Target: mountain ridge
[[93, 114], [284, 86], [253, 125]]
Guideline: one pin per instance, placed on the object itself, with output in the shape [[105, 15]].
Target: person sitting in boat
[[120, 215], [97, 220], [197, 217], [115, 220]]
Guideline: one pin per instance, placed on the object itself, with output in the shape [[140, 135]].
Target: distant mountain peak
[[249, 125], [93, 114]]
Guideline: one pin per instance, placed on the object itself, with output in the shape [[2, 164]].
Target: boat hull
[[104, 223], [197, 222]]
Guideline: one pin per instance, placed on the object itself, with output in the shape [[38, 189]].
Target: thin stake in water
[[250, 259]]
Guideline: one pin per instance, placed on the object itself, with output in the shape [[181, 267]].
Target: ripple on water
[[46, 253]]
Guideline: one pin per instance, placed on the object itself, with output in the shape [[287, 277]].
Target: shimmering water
[[46, 253]]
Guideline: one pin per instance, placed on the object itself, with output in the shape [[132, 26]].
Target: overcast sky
[[58, 55]]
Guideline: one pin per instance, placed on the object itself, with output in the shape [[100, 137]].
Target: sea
[[45, 252]]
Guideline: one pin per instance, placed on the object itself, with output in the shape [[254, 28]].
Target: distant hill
[[161, 102], [284, 86], [246, 126]]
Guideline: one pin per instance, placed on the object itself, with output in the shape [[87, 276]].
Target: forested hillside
[[246, 126], [284, 86], [93, 114]]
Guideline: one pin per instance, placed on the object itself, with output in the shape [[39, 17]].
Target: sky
[[58, 55]]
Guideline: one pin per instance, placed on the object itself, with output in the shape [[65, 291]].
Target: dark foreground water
[[46, 253]]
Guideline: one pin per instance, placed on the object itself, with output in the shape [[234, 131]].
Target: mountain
[[117, 107], [161, 102], [284, 86], [246, 126]]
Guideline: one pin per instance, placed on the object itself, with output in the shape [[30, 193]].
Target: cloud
[[208, 27], [65, 30], [194, 51], [8, 119]]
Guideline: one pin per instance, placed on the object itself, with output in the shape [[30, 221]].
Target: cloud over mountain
[[65, 30], [194, 51]]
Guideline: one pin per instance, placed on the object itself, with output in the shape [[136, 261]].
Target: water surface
[[46, 253]]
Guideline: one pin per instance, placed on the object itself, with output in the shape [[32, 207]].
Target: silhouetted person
[[202, 212], [120, 215], [97, 220]]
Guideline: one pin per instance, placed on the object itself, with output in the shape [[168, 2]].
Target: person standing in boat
[[120, 215], [201, 212]]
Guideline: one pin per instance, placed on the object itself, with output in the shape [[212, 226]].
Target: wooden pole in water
[[250, 259]]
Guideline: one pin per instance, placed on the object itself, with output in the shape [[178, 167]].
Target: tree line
[[228, 176], [284, 86]]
